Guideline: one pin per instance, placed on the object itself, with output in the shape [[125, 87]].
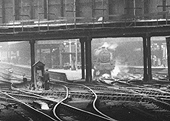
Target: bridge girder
[[81, 33]]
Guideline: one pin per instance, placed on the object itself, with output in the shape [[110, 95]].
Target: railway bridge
[[35, 30]]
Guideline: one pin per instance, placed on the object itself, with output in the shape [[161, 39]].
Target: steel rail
[[94, 104], [87, 112], [54, 109], [152, 100], [31, 109], [74, 108], [56, 106], [28, 97]]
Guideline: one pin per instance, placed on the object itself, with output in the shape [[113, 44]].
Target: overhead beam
[[81, 33]]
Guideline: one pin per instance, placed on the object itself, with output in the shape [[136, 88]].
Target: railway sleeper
[[83, 115]]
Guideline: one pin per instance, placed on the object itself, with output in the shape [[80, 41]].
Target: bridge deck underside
[[78, 30]]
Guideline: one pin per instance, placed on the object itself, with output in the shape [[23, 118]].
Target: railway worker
[[46, 79], [10, 72], [24, 78], [39, 82], [73, 66]]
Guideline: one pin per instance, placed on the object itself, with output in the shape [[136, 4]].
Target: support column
[[93, 7], [168, 56], [145, 62], [17, 9], [146, 6], [164, 7], [82, 42], [32, 12], [32, 49], [147, 76], [88, 59], [149, 58], [3, 11], [61, 55], [62, 8], [9, 54], [77, 8], [46, 9], [51, 64], [40, 54]]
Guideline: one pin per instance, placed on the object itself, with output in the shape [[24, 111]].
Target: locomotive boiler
[[104, 62]]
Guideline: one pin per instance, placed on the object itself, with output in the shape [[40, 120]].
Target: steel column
[[88, 59], [164, 5], [145, 62], [93, 7], [51, 64], [40, 54], [32, 12], [46, 9], [17, 9], [62, 8], [32, 49], [9, 54], [168, 55], [3, 11], [149, 58], [77, 8], [146, 6], [82, 42]]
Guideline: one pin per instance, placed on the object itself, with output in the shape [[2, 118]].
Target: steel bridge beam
[[10, 35]]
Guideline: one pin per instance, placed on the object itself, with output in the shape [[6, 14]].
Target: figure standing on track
[[24, 78], [46, 79], [73, 67], [40, 82]]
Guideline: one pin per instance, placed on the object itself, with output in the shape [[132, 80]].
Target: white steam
[[120, 69]]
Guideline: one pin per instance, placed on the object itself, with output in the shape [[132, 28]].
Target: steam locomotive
[[104, 62]]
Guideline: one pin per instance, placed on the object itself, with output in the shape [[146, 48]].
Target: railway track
[[23, 110], [60, 109], [89, 92], [138, 104], [112, 102]]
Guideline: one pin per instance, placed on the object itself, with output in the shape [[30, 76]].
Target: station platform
[[65, 75]]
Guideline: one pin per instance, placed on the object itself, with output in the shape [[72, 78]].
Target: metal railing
[[82, 22]]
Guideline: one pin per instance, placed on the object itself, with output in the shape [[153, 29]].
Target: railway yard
[[123, 75], [82, 101]]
